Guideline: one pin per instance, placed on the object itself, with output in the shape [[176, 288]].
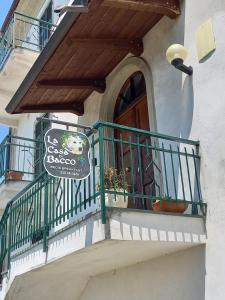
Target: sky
[[4, 8]]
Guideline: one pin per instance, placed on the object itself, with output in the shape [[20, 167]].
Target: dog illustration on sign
[[75, 143]]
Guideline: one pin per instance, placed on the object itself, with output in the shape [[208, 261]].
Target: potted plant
[[115, 183], [14, 175], [167, 204]]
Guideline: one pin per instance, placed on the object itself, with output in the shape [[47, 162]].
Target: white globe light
[[176, 51]]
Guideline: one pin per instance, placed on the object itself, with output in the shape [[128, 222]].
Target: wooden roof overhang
[[83, 51]]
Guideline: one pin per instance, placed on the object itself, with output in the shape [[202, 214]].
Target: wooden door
[[141, 181]]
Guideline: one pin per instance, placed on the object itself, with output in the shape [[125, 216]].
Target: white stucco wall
[[187, 107], [177, 276], [209, 126], [26, 125], [191, 107], [195, 107]]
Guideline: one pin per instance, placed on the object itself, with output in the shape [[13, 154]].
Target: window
[[41, 127], [45, 29], [130, 93]]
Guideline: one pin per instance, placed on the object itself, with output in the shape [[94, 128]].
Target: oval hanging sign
[[67, 154]]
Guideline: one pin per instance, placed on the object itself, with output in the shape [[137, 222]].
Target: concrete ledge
[[89, 248]]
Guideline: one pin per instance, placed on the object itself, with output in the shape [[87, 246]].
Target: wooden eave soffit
[[98, 85], [134, 46], [170, 8], [75, 107]]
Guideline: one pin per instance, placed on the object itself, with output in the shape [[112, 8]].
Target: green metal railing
[[17, 158], [25, 32], [142, 167]]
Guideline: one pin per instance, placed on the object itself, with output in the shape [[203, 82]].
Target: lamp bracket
[[178, 63]]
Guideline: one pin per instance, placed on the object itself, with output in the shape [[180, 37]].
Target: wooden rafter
[[134, 46], [170, 8], [98, 85], [78, 52], [75, 107]]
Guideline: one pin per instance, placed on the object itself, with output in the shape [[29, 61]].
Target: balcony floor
[[90, 248], [16, 67]]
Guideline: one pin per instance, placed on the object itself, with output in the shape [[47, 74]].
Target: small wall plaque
[[205, 40]]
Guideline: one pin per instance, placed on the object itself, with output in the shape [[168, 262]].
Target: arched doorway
[[131, 110]]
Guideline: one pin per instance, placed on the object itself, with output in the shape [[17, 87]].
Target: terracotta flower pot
[[170, 206], [14, 175]]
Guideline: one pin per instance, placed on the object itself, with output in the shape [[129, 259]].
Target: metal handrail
[[145, 132], [48, 201], [35, 19], [17, 154], [25, 32]]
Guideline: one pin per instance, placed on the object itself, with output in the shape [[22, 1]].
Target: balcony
[[141, 200], [18, 165], [20, 44]]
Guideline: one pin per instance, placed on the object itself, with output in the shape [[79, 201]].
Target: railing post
[[9, 238], [102, 173], [7, 156], [46, 227], [196, 184], [13, 31]]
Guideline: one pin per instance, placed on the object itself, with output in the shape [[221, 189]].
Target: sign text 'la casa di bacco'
[[67, 154]]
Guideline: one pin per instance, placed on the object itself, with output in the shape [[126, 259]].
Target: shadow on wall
[[187, 107]]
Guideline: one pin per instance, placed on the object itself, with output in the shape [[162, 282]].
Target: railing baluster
[[23, 220], [27, 217], [50, 203], [34, 200], [181, 173], [188, 173], [84, 194], [102, 173], [9, 236], [71, 197], [76, 197], [46, 228], [68, 198], [64, 199], [173, 172], [113, 161], [93, 167], [54, 203], [140, 171], [80, 201], [89, 190], [122, 164], [13, 225], [24, 153], [132, 168], [40, 187], [197, 177]]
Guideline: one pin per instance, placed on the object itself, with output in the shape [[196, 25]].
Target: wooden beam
[[170, 8], [75, 107], [135, 46], [98, 85]]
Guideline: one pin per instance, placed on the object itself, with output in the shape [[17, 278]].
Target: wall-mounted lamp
[[176, 54]]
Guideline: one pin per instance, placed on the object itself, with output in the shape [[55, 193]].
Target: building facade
[[148, 220]]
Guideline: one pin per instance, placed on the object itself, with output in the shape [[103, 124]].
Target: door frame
[[115, 82]]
